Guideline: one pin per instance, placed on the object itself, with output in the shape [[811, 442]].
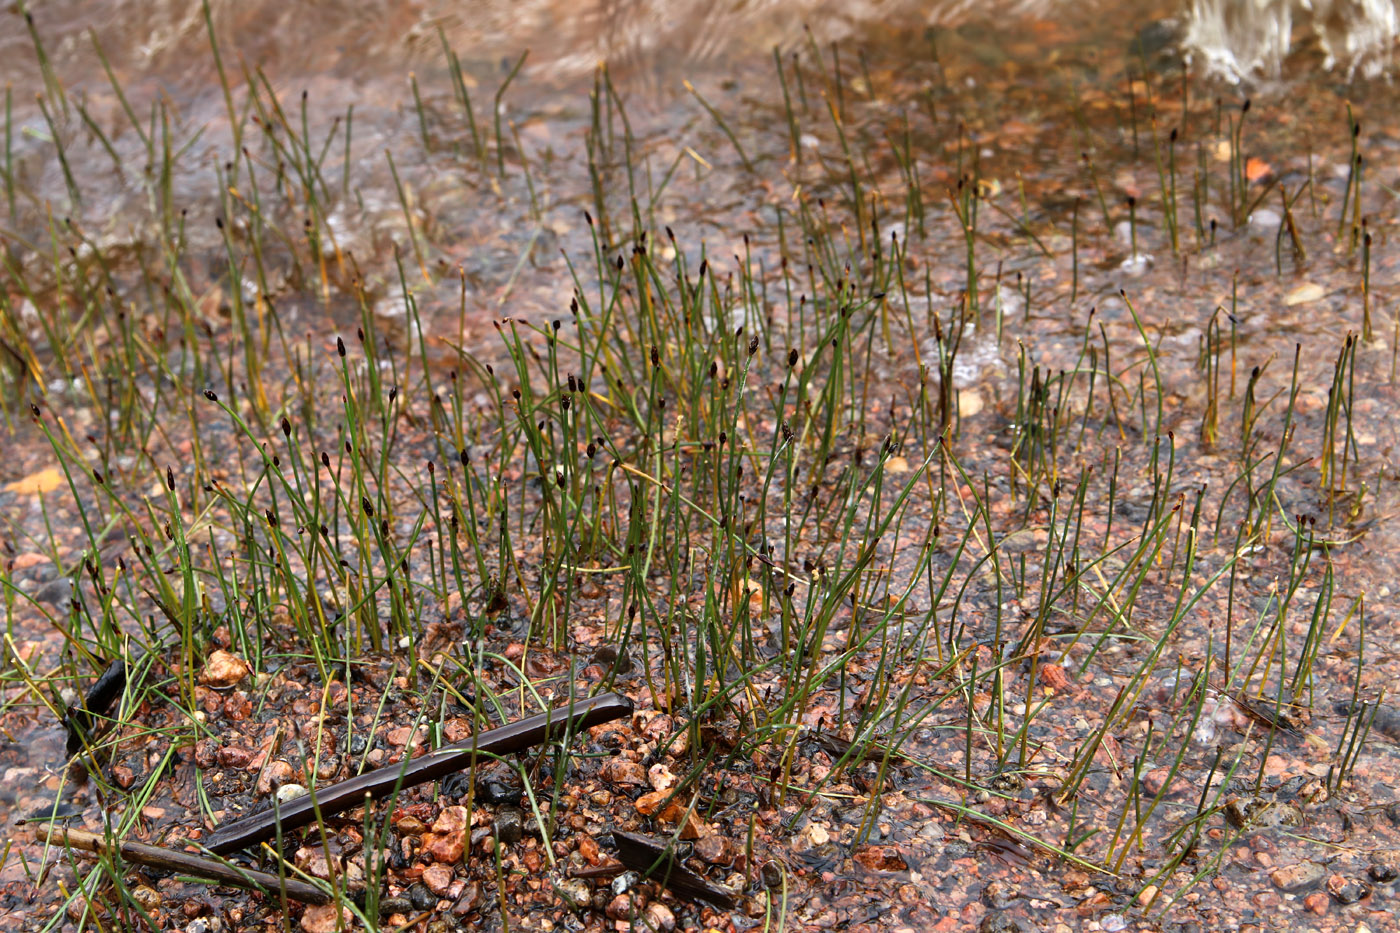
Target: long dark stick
[[518, 736], [189, 864]]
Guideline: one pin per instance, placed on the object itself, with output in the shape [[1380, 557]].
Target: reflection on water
[[1244, 37], [358, 42]]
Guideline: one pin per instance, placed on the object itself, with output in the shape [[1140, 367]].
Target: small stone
[[588, 848], [880, 858], [622, 771], [445, 847], [498, 788], [274, 775], [999, 923], [452, 819], [659, 917], [224, 669], [649, 803], [1147, 895], [999, 895], [325, 918], [147, 897], [1317, 902], [233, 757], [1265, 219], [289, 792], [1305, 293], [661, 778], [438, 878], [715, 849], [313, 861], [327, 767], [408, 825], [406, 735], [1054, 677], [691, 826], [1347, 890], [1156, 779], [1385, 865], [422, 897], [395, 905], [1297, 878], [620, 907], [469, 900], [624, 882], [575, 892], [608, 657], [509, 825]]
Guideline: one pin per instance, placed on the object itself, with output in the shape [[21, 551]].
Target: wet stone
[[1261, 813], [324, 919], [880, 858], [1385, 865], [276, 774], [999, 895], [438, 878], [660, 917], [575, 892], [289, 792], [624, 882], [1007, 781], [1299, 877], [714, 849], [622, 771], [999, 923], [772, 873], [498, 788], [233, 757], [123, 776], [395, 905], [509, 825], [607, 656], [469, 901], [1347, 890], [620, 907], [422, 897]]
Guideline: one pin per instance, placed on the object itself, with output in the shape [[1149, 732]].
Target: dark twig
[[505, 740], [655, 860], [104, 692], [187, 863]]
